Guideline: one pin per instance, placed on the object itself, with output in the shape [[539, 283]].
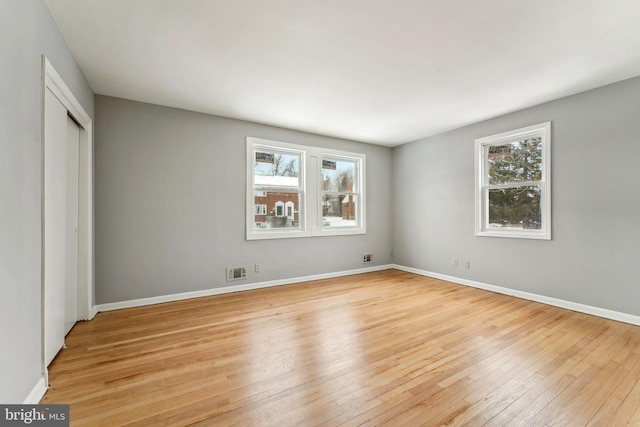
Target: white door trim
[[72, 210], [51, 80]]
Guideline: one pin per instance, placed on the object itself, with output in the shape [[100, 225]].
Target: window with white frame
[[339, 181], [513, 187], [305, 191]]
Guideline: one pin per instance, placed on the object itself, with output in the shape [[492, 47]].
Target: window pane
[[272, 168], [339, 210], [339, 175], [515, 162], [515, 208], [277, 181], [281, 210]]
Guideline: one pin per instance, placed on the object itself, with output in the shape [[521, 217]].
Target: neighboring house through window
[[278, 183]]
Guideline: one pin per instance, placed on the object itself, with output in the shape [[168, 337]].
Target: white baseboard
[[582, 308], [234, 288], [36, 394], [574, 306], [40, 388]]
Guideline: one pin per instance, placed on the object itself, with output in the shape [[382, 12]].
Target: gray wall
[[28, 32], [594, 250], [170, 200], [170, 205]]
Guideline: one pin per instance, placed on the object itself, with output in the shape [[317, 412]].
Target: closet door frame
[[52, 81]]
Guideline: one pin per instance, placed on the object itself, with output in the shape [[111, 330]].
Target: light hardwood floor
[[386, 348]]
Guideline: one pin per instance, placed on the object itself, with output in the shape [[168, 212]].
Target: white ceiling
[[380, 71]]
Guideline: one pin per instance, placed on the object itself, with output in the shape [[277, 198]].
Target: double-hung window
[[276, 196], [340, 181], [513, 188], [301, 191]]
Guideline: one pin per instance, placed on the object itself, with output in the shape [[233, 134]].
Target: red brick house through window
[[275, 209]]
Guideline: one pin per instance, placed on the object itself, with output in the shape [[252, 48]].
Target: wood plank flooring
[[385, 348]]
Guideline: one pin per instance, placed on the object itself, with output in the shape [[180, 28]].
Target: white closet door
[[55, 225], [71, 289]]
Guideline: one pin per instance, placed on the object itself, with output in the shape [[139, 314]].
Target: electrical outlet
[[366, 258], [454, 262], [467, 264]]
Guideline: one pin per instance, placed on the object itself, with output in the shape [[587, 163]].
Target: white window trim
[[310, 210], [481, 188]]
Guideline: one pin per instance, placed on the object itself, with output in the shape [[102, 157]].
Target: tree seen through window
[[516, 162]]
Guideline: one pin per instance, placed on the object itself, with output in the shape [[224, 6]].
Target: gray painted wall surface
[[28, 31], [170, 205], [595, 244], [170, 200]]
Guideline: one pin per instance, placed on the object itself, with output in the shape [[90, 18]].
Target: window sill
[[539, 235]]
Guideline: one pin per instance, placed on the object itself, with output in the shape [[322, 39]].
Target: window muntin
[[513, 184], [282, 177]]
